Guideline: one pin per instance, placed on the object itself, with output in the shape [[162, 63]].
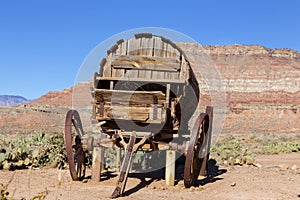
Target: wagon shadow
[[104, 176], [147, 178], [152, 176], [213, 174]]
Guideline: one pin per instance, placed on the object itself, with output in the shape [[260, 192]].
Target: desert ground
[[276, 177]]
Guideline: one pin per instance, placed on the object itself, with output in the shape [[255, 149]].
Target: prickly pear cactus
[[37, 150]]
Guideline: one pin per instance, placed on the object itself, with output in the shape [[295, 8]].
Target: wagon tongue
[[126, 165]]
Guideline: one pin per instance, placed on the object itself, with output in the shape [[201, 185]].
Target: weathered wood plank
[[102, 64], [118, 72], [124, 48], [144, 75], [160, 60], [138, 46], [158, 47], [114, 49], [143, 35], [111, 85], [120, 49], [165, 44], [148, 80], [128, 97], [147, 46], [139, 134], [170, 167], [184, 73], [158, 75], [133, 47], [131, 73], [125, 167], [171, 49], [118, 158], [156, 113], [146, 63], [130, 46], [98, 160], [168, 95], [107, 67], [172, 52], [130, 113], [175, 76], [171, 75]]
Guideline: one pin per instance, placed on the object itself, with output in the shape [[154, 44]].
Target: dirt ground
[[278, 177]]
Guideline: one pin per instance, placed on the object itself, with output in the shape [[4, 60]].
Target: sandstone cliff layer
[[261, 85]]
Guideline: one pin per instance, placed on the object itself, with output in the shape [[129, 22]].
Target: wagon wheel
[[75, 152], [206, 150], [197, 150]]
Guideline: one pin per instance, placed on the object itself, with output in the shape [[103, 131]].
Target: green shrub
[[277, 148], [241, 149], [36, 149], [233, 153]]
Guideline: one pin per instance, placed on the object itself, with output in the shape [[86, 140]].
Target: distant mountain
[[12, 100]]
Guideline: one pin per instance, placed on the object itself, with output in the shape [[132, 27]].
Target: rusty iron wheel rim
[[75, 152], [197, 145], [206, 148]]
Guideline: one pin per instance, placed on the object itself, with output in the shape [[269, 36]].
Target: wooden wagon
[[146, 96]]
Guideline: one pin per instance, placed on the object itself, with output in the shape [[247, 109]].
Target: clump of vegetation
[[277, 148], [232, 152], [242, 149], [37, 150]]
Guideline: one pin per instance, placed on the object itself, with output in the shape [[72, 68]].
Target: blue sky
[[43, 43]]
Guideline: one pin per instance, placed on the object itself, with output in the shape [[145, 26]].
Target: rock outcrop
[[262, 88]]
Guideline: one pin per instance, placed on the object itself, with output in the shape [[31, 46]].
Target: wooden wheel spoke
[[79, 164]]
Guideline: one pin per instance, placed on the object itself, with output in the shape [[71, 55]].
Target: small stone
[[258, 165], [201, 177], [154, 187], [284, 166], [59, 178], [233, 184], [294, 167], [85, 181], [148, 179], [180, 183], [198, 188]]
